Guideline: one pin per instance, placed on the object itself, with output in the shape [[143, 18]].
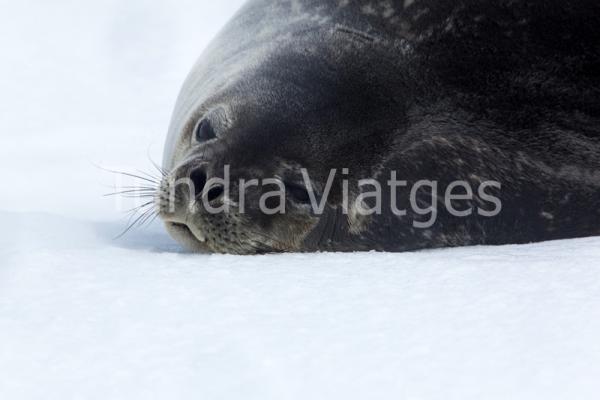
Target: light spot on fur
[[422, 12], [566, 199], [368, 9], [383, 9], [547, 215], [357, 220], [475, 178], [450, 25], [388, 10]]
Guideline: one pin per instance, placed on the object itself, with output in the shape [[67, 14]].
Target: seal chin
[[219, 234], [184, 235]]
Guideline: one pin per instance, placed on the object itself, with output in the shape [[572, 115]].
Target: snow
[[84, 315]]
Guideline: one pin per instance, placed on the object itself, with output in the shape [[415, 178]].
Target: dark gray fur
[[500, 90]]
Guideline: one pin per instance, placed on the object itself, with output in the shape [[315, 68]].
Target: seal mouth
[[180, 227], [186, 236], [186, 229]]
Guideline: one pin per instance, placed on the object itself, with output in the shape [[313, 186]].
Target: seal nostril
[[198, 177], [215, 192]]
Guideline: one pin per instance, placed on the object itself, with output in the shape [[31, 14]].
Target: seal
[[413, 123]]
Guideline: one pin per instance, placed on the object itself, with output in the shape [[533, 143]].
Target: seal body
[[490, 109]]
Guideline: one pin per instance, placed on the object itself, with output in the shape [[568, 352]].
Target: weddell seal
[[342, 125]]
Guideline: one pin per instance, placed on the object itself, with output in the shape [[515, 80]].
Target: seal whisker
[[130, 226], [138, 196], [139, 187], [150, 176], [161, 170], [138, 208], [136, 187], [133, 193], [147, 217], [153, 181], [153, 218], [139, 221]]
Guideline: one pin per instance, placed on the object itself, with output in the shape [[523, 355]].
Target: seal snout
[[212, 191], [185, 200], [185, 189]]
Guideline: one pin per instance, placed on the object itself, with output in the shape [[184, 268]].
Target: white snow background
[[85, 316]]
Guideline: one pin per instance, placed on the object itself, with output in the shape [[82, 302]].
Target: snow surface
[[85, 316]]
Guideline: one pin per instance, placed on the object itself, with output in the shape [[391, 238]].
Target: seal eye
[[205, 131], [297, 192]]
